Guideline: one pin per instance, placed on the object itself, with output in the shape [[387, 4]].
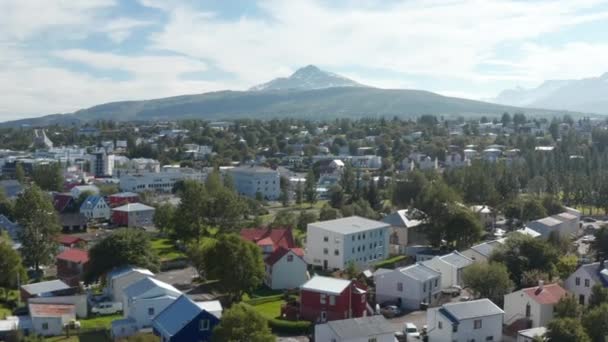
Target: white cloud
[[120, 29]]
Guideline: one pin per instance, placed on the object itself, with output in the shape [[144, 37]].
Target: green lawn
[[270, 310], [166, 249], [95, 336], [99, 322]]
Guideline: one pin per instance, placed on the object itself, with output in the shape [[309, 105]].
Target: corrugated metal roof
[[420, 272], [361, 327], [349, 225], [326, 285], [456, 259], [175, 316], [146, 284], [52, 310], [476, 308], [45, 287], [486, 248]]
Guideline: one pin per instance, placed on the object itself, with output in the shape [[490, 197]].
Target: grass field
[[166, 249], [269, 310]]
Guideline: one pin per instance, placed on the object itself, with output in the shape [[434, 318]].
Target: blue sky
[[58, 56]]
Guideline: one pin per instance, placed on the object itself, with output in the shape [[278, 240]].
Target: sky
[[58, 56]]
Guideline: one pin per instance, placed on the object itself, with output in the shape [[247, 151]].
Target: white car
[[411, 331], [107, 308]]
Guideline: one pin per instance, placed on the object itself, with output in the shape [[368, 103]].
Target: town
[[432, 229]]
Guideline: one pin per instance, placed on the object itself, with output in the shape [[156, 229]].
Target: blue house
[[95, 207], [185, 320]]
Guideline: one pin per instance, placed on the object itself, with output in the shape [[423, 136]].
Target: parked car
[[588, 238], [107, 308], [391, 311], [589, 219], [411, 331]]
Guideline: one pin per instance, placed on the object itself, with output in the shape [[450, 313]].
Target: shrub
[[390, 263], [290, 327]]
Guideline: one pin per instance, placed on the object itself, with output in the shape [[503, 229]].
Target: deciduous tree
[[242, 323], [566, 330], [488, 280]]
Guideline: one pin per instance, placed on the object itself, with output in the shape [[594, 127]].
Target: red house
[[325, 299], [71, 265], [116, 200], [269, 239], [69, 241]]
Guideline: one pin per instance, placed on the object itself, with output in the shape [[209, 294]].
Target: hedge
[[290, 327], [390, 263], [263, 300]]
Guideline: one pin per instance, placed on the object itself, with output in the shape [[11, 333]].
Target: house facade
[[185, 320], [405, 229], [336, 243], [95, 207], [408, 287], [581, 282], [532, 307], [72, 264], [362, 329], [49, 319], [250, 181], [565, 224], [482, 251], [325, 299], [120, 199], [478, 320], [451, 267], [120, 278], [133, 215]]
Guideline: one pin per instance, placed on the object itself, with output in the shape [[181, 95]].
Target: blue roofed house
[[185, 320], [95, 207], [12, 188], [10, 227], [581, 282]]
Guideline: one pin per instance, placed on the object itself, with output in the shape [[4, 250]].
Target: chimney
[[541, 284]]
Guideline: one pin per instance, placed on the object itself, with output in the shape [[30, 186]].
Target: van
[[107, 308]]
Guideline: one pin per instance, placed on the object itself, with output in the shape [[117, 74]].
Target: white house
[[482, 251], [158, 181], [95, 207], [142, 301], [584, 278], [565, 224], [478, 320], [49, 319], [451, 267], [334, 244], [80, 189], [249, 181], [532, 306], [405, 229], [529, 335], [363, 329], [409, 286], [120, 278], [285, 269]]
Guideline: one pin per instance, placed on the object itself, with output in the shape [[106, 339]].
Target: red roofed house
[[285, 265], [63, 202], [116, 200], [71, 265], [532, 307], [69, 241], [328, 299]]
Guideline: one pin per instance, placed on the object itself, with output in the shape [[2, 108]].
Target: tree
[[299, 193], [305, 218], [236, 263], [286, 219], [328, 213], [124, 247], [599, 295], [566, 330], [39, 227], [372, 195], [351, 270], [20, 173], [284, 197], [532, 209], [347, 181], [600, 244], [242, 323], [458, 226], [108, 189], [336, 196], [11, 268], [566, 265], [522, 253], [595, 322], [190, 213], [48, 177], [310, 187], [488, 280], [568, 307], [6, 205], [164, 216]]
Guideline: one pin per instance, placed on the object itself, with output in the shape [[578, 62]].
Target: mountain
[[307, 78], [587, 95], [315, 96]]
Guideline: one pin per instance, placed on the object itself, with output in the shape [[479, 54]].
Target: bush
[[390, 263], [290, 327]]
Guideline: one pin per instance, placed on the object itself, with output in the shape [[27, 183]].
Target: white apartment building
[[334, 244], [158, 181], [249, 181]]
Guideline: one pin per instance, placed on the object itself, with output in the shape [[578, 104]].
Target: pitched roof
[[68, 240], [45, 287], [124, 195], [326, 285], [420, 272], [456, 259], [565, 216], [146, 284], [133, 207], [61, 201], [11, 227], [349, 225], [405, 218], [596, 272], [549, 294], [361, 327], [91, 202], [74, 255], [280, 253], [11, 187], [486, 248], [120, 271], [52, 310], [466, 310], [213, 307], [175, 316], [280, 237], [547, 221]]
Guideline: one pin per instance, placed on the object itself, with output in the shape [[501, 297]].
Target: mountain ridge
[[307, 78]]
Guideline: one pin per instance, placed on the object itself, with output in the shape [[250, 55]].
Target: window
[[325, 239], [439, 325], [373, 339], [587, 283], [436, 282], [528, 310], [353, 238], [332, 300], [323, 298], [454, 327], [336, 252], [477, 324], [290, 258], [45, 326], [424, 287], [204, 325], [353, 250], [581, 299], [400, 287], [490, 338], [578, 281], [325, 251], [363, 235], [150, 311], [323, 316]]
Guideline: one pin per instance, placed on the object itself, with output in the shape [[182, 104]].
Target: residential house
[[133, 215], [120, 199], [531, 335], [71, 264], [11, 187], [49, 319], [484, 213], [185, 320], [405, 229], [532, 307], [529, 232], [565, 224], [325, 299], [482, 251], [451, 267], [158, 181], [584, 278], [334, 244], [362, 329], [284, 262], [119, 279], [73, 222], [251, 181], [69, 241], [10, 227], [142, 302], [64, 202], [95, 207], [45, 289], [477, 320], [408, 287], [81, 189]]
